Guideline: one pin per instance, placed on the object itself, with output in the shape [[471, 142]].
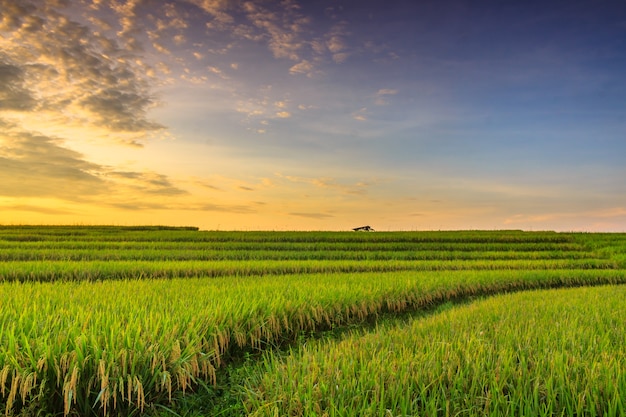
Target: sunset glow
[[314, 115]]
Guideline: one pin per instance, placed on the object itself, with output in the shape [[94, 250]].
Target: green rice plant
[[84, 253], [290, 247], [45, 271], [112, 346], [157, 234], [111, 320], [559, 352], [159, 251]]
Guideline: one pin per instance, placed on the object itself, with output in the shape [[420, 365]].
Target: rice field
[[128, 321], [539, 353]]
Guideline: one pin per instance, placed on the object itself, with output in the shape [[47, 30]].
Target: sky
[[314, 115]]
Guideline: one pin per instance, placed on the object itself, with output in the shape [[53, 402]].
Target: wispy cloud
[[319, 216], [386, 92], [303, 67], [360, 115], [358, 188], [203, 183], [148, 182], [37, 209], [382, 94], [141, 205], [615, 213]]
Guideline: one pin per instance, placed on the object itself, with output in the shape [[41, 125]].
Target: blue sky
[[321, 115]]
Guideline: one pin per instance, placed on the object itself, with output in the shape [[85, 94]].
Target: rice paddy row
[[177, 254], [186, 234], [289, 246], [44, 271], [103, 336], [546, 353]]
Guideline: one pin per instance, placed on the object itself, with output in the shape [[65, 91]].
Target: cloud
[[280, 26], [15, 14], [37, 209], [118, 109], [303, 67], [160, 48], [38, 166], [386, 92], [259, 110], [218, 72], [127, 13], [341, 57], [93, 68], [358, 188], [194, 80], [148, 182], [100, 23], [13, 95], [239, 209], [287, 32], [143, 205], [336, 42], [218, 10], [81, 77], [205, 184], [380, 97], [163, 68], [319, 216], [360, 115], [283, 28], [612, 213]]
